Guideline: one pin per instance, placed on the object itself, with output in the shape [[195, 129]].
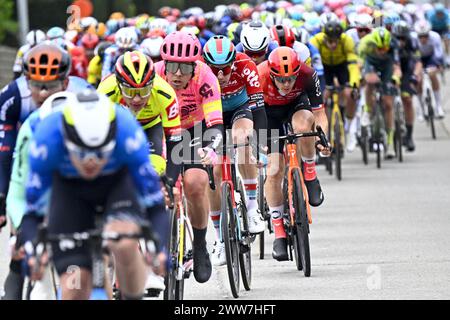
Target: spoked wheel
[[398, 141], [364, 143], [245, 256], [301, 229], [228, 229], [430, 113], [171, 276], [338, 147], [262, 211]]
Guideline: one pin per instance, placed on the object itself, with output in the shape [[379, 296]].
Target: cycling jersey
[[161, 106], [367, 52], [353, 33], [200, 100], [95, 71], [303, 53], [439, 25], [307, 82], [244, 85], [432, 49], [272, 46], [16, 105], [344, 53]]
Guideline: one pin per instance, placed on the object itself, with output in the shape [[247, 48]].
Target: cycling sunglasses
[[285, 79], [226, 70], [256, 54], [83, 154], [130, 93], [49, 86], [185, 68]]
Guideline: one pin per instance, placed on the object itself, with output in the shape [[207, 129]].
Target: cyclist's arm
[[15, 201], [316, 100], [107, 63], [94, 70], [352, 61]]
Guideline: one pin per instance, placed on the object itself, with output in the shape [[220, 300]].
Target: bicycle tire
[[262, 210], [430, 114], [245, 257], [301, 228], [286, 217], [338, 146], [228, 229], [398, 141], [171, 276], [365, 145]]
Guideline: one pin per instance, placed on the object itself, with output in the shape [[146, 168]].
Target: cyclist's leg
[[371, 78], [275, 174], [433, 72], [407, 93], [303, 121], [242, 130], [155, 136], [350, 108], [388, 104], [68, 213], [125, 215]]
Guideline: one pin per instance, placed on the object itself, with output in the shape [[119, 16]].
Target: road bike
[[428, 103], [399, 125]]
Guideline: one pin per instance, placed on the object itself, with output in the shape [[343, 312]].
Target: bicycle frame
[[336, 111]]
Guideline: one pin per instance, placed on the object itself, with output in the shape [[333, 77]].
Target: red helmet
[[284, 62], [181, 46], [198, 21], [283, 35], [155, 33], [90, 41]]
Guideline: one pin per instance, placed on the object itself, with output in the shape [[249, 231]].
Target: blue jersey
[[272, 46], [439, 24], [48, 155], [16, 105], [316, 60]]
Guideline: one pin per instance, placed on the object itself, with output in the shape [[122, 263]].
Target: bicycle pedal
[[152, 293]]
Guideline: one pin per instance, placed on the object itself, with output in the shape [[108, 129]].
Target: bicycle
[[399, 125], [180, 245], [428, 103], [297, 211], [95, 238], [336, 131], [263, 209], [234, 222]]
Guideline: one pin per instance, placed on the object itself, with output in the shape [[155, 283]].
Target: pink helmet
[[181, 46]]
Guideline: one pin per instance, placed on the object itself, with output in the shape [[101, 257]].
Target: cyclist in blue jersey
[[92, 153]]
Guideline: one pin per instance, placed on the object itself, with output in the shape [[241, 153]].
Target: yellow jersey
[[162, 104], [344, 53]]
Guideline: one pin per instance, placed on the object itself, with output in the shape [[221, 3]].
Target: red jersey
[[307, 82]]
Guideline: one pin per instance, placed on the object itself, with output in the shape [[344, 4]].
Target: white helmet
[[89, 122], [86, 22], [422, 27], [126, 38], [388, 5], [35, 37], [411, 8], [363, 21], [152, 46], [55, 101], [328, 17], [255, 36], [302, 35], [160, 23]]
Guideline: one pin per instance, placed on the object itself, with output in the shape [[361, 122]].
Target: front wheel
[[228, 229]]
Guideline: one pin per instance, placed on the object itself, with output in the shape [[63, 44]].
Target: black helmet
[[401, 29], [333, 29]]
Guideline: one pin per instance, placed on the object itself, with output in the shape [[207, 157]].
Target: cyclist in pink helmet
[[199, 100]]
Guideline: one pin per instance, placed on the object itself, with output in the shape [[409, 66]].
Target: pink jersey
[[201, 99]]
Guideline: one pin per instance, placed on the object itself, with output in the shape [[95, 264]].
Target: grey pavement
[[380, 234]]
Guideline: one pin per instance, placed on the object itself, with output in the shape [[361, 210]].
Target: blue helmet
[[219, 50], [55, 32], [391, 18]]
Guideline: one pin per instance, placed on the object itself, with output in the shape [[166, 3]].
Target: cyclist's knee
[[303, 121], [195, 185]]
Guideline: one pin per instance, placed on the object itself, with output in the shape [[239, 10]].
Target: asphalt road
[[380, 234]]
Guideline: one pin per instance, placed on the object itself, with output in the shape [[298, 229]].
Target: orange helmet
[[47, 62], [284, 62]]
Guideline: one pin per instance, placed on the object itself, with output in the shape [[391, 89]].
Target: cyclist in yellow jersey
[[152, 100], [96, 64], [340, 60]]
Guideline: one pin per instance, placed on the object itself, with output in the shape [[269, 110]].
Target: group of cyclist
[[99, 112]]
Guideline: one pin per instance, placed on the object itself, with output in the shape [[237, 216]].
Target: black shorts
[[242, 112], [339, 71], [199, 136], [155, 136], [277, 116], [76, 204], [406, 86]]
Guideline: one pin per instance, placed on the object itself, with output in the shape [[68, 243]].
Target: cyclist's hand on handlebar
[[37, 269], [324, 151], [157, 263], [208, 155]]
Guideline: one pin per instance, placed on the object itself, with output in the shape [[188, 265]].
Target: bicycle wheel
[[338, 146], [301, 229], [228, 229], [430, 113], [171, 277], [364, 143], [398, 141], [262, 210], [245, 257], [377, 134]]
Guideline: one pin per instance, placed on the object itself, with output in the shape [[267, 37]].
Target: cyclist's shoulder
[[108, 85], [163, 89], [77, 84]]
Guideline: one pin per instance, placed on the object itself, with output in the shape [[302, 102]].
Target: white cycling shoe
[[255, 221], [218, 257], [351, 141], [154, 282]]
